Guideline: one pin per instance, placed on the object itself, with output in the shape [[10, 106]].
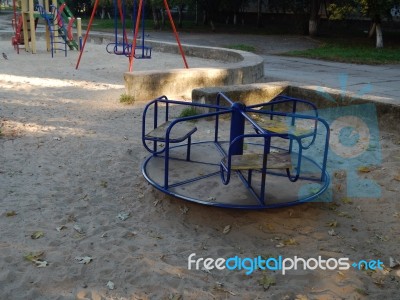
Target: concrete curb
[[241, 68], [388, 113]]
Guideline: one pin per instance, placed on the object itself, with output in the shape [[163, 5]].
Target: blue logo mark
[[354, 143]]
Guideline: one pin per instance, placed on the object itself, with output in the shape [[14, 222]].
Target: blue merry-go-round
[[227, 154]]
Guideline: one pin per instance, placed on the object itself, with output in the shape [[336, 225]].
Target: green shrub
[[189, 112], [127, 99]]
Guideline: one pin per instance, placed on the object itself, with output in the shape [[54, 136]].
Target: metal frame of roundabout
[[258, 161]]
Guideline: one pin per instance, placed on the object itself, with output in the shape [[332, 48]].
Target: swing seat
[[146, 52]]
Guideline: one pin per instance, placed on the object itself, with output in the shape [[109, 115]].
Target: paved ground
[[381, 81]]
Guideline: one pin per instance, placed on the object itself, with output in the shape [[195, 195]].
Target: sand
[[71, 155]]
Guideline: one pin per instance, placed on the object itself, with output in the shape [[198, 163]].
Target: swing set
[[121, 46]]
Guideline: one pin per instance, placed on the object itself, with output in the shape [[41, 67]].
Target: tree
[[233, 6], [79, 7], [209, 8], [105, 5], [157, 12], [259, 13], [180, 5], [376, 10], [314, 17]]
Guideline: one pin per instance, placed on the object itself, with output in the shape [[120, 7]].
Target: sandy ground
[[71, 156]]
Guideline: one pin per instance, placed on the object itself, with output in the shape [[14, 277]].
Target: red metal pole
[[121, 14], [135, 36], [176, 34], [87, 33]]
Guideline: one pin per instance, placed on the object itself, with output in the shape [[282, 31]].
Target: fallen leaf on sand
[[347, 200], [83, 259], [345, 214], [37, 235], [332, 224], [361, 292], [219, 286], [175, 297], [59, 228], [110, 285], [41, 263], [227, 228], [130, 234], [341, 274], [103, 183], [290, 242], [33, 256], [78, 229], [364, 169], [266, 282], [332, 232], [393, 262], [11, 213], [184, 210], [382, 238], [123, 215]]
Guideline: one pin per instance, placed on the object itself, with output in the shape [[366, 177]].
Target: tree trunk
[[379, 36], [259, 13], [212, 26], [235, 18], [162, 14], [312, 27], [372, 30], [196, 21], [313, 22], [180, 16], [377, 29], [103, 13], [155, 18]]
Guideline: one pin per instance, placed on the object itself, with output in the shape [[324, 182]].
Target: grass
[[189, 112], [188, 26], [127, 99], [242, 47], [351, 52], [349, 46]]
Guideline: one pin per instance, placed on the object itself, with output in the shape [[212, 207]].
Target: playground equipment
[[55, 27], [59, 22], [121, 46], [256, 156], [125, 48]]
